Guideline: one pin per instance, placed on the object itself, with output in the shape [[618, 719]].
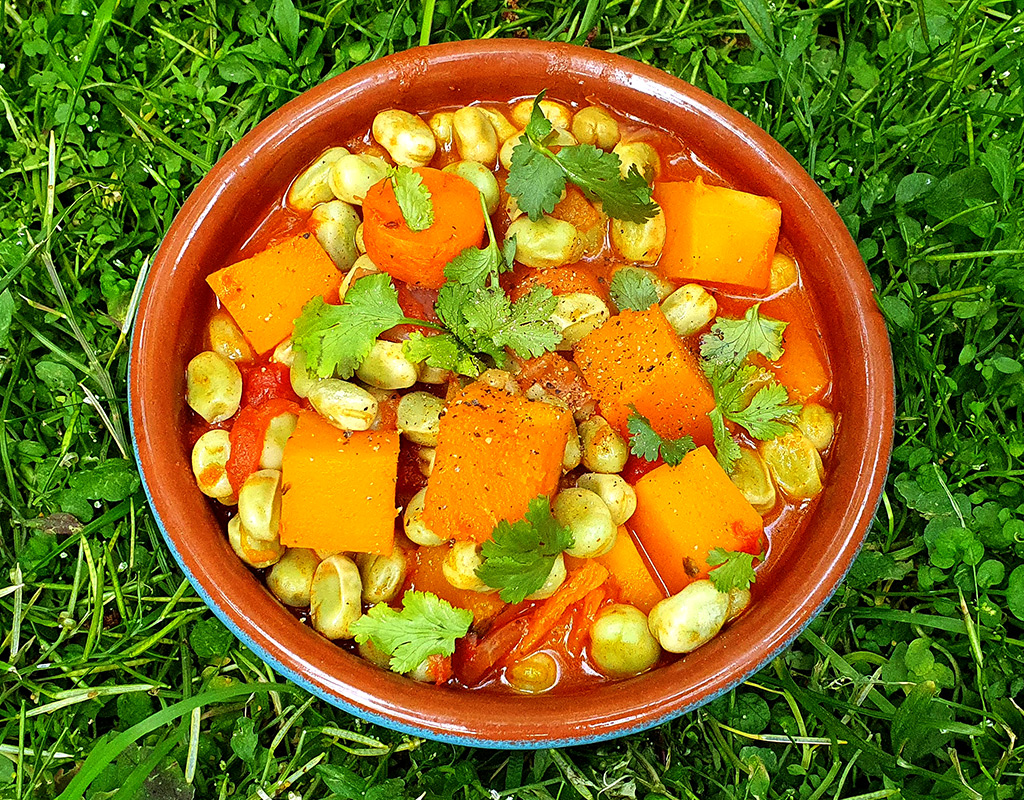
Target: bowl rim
[[878, 366]]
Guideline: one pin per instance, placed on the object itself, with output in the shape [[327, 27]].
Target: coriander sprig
[[426, 626], [538, 174], [518, 557], [731, 569], [649, 445], [724, 352]]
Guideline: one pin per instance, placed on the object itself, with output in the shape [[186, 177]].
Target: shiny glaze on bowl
[[252, 177]]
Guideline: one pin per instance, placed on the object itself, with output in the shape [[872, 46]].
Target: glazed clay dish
[[239, 207]]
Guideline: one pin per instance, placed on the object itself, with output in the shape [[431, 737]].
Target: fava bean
[[689, 309], [386, 367], [640, 155], [227, 339], [641, 242], [343, 404], [750, 475], [407, 138], [621, 644], [818, 425], [474, 134], [213, 386], [313, 186], [603, 449], [412, 522], [257, 553], [534, 674], [618, 495], [382, 576], [576, 314], [335, 225], [335, 598], [351, 176], [556, 113], [794, 463], [259, 504], [595, 126], [419, 418], [546, 243], [588, 518], [693, 617], [209, 463], [279, 430], [291, 578], [460, 566]]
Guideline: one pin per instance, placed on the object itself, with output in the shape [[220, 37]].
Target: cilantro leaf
[[518, 557], [534, 180], [413, 198], [633, 288], [426, 626], [646, 443], [766, 414], [727, 451], [537, 175], [732, 570], [528, 330], [442, 351], [472, 266], [336, 339], [599, 175], [732, 340]]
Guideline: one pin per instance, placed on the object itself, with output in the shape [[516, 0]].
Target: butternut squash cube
[[495, 453], [684, 512], [636, 358], [265, 294], [717, 235], [339, 488]]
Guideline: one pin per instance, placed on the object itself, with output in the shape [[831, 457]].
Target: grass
[[117, 683]]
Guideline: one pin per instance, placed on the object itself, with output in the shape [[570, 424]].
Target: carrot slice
[[419, 257], [543, 620], [265, 294], [717, 234], [339, 488], [684, 512]]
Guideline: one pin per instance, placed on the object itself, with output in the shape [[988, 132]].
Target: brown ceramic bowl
[[252, 177]]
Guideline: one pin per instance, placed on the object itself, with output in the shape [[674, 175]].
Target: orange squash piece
[[803, 367], [684, 512], [717, 235], [495, 453], [265, 294], [625, 564], [636, 584], [426, 575], [637, 358], [339, 488], [419, 257]]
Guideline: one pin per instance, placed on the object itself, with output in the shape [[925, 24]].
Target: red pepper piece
[[247, 435]]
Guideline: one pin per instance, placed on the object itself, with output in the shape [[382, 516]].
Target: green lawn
[[908, 114]]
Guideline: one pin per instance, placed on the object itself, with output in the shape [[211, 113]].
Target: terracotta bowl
[[252, 177]]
